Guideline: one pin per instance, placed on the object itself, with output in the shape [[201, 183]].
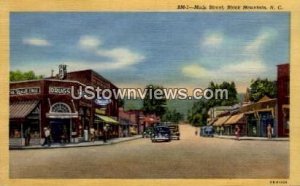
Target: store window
[[15, 130], [252, 125]]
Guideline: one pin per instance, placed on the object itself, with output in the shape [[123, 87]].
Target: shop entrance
[[60, 130], [266, 118]]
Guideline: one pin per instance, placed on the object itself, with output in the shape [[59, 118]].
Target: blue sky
[[171, 49]]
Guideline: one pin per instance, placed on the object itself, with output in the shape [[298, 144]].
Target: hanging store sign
[[24, 91], [101, 111], [60, 90], [102, 101]]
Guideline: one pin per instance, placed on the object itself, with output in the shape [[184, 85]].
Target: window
[[60, 107]]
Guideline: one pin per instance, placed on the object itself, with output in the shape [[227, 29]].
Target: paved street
[[190, 157]]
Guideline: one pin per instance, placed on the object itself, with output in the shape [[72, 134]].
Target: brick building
[[283, 99], [48, 103]]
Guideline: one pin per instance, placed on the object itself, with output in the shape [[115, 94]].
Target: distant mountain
[[181, 106]]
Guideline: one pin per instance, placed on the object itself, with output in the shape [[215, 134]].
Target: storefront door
[[60, 128], [252, 126], [266, 118]]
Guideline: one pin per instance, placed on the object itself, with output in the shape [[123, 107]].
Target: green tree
[[153, 105], [262, 87], [197, 116], [21, 76], [172, 116], [199, 113], [232, 94]]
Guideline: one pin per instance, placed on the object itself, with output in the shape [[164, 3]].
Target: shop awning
[[221, 121], [234, 119], [106, 119], [21, 109], [211, 122]]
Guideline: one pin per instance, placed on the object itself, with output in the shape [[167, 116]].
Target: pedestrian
[[196, 132], [237, 132], [47, 137], [222, 130], [64, 135], [92, 134], [105, 130], [269, 131], [86, 134], [27, 136]]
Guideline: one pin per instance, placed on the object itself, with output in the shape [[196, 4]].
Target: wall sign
[[24, 91], [59, 90]]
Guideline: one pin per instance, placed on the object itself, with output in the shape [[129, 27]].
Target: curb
[[254, 139], [75, 145]]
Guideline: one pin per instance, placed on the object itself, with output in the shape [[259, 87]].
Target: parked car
[[147, 132], [207, 131], [175, 134], [161, 133]]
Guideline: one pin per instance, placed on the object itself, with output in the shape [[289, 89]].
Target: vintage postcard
[[149, 93]]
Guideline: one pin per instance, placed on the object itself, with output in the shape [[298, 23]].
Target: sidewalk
[[252, 138], [81, 144]]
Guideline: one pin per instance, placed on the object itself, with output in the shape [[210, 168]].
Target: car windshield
[[162, 129]]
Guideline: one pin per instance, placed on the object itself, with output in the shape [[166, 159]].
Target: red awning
[[21, 109]]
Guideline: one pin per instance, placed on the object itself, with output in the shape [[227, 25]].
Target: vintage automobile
[[174, 128], [207, 131], [147, 132], [161, 133]]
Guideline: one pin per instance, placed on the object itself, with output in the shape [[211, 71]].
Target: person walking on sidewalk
[[27, 136], [269, 131], [47, 137], [237, 132], [92, 134]]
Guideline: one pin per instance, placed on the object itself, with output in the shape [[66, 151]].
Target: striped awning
[[106, 119], [21, 109], [221, 120], [234, 119]]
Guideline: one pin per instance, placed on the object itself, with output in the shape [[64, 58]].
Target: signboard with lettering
[[59, 90], [24, 91]]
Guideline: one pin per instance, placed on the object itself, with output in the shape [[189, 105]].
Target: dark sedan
[[161, 133]]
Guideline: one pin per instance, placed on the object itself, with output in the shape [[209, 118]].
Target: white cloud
[[212, 40], [89, 42], [248, 63], [118, 58], [245, 67], [36, 42], [196, 71], [254, 47], [115, 58], [228, 71]]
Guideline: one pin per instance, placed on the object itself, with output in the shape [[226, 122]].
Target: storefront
[[219, 126], [259, 115], [24, 116], [235, 120], [35, 104], [106, 127]]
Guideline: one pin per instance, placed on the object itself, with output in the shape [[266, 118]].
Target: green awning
[[106, 119]]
